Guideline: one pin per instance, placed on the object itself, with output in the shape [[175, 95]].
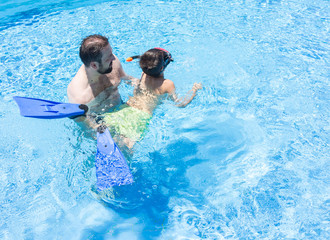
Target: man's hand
[[130, 80]]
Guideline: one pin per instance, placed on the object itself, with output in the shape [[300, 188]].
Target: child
[[130, 120]]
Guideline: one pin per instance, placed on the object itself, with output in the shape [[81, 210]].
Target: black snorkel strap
[[167, 58]]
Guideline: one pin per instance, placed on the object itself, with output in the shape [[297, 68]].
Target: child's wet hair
[[152, 62]]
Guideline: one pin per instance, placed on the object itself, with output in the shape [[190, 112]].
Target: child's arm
[[184, 101]]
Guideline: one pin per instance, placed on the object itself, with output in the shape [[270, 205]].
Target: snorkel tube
[[130, 59], [167, 57]]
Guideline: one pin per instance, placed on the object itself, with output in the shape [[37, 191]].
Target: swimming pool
[[247, 159]]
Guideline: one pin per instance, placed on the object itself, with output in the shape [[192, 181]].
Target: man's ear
[[94, 65]]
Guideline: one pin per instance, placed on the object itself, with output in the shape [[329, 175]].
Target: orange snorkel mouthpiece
[[130, 59]]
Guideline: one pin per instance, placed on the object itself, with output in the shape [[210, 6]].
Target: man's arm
[[126, 78], [71, 94], [130, 80], [184, 101], [76, 95]]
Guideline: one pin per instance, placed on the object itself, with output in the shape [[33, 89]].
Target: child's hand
[[197, 86]]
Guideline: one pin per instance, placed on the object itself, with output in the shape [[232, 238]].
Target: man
[[96, 82]]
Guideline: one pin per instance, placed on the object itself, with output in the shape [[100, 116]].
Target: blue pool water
[[247, 159]]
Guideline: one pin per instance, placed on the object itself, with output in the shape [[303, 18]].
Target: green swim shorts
[[127, 121]]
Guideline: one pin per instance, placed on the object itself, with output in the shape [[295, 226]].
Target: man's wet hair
[[152, 62], [91, 47]]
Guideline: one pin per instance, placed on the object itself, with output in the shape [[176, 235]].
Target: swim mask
[[167, 57]]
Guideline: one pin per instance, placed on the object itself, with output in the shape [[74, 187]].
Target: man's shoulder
[[117, 70], [80, 75], [76, 89], [74, 85]]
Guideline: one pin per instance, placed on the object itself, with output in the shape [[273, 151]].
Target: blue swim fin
[[111, 166], [38, 108]]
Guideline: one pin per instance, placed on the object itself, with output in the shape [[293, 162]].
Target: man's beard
[[105, 71]]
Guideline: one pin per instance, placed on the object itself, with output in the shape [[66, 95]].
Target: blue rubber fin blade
[[39, 108], [111, 166]]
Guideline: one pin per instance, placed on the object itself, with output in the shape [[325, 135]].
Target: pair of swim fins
[[111, 166]]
